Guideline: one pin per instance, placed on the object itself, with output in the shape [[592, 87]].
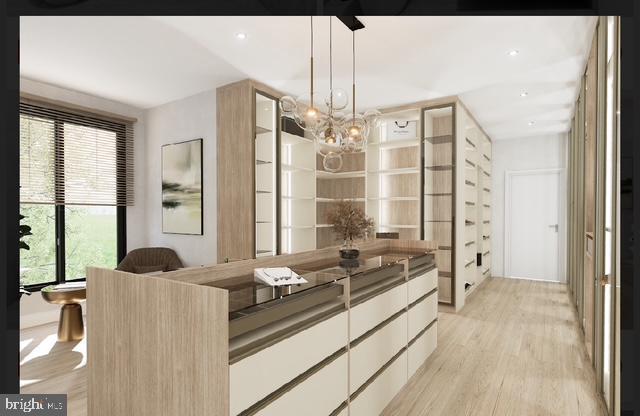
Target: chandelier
[[333, 132]]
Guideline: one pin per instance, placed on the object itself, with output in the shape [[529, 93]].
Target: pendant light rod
[[330, 67], [353, 75], [311, 80]]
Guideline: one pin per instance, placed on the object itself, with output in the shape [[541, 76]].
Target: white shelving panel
[[297, 193], [265, 176], [393, 174]]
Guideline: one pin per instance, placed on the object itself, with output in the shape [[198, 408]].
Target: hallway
[[515, 349]]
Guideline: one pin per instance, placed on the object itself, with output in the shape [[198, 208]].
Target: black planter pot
[[349, 253]]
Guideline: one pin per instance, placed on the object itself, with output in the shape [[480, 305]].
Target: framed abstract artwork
[[182, 188]]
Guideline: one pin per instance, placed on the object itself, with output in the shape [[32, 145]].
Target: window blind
[[71, 158]]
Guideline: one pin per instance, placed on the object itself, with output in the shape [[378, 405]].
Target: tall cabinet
[[429, 177], [248, 132]]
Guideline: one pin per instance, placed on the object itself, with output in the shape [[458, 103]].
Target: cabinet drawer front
[[420, 350], [260, 374], [375, 351], [382, 390], [318, 395], [421, 285], [372, 312], [422, 314]]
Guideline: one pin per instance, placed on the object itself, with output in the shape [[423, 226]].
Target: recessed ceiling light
[[531, 123], [513, 52], [241, 35], [524, 94]]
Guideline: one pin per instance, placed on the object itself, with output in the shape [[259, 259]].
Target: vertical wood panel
[[155, 347], [235, 167]]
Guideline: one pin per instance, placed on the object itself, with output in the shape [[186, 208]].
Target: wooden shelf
[[340, 199], [292, 168], [335, 175], [299, 198], [398, 171], [298, 227], [408, 226], [396, 198], [397, 143]]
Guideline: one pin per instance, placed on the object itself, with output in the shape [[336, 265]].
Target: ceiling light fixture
[[241, 35], [524, 94], [334, 133], [513, 52], [531, 123]]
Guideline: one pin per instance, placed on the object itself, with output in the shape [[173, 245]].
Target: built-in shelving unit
[[266, 189], [477, 202], [439, 192], [471, 198], [350, 183], [485, 231], [393, 174], [297, 189]]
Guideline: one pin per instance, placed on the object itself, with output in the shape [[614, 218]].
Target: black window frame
[[121, 212]]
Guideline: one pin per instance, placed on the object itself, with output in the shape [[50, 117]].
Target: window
[[76, 178]]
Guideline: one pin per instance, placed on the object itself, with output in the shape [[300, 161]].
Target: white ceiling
[[149, 61]]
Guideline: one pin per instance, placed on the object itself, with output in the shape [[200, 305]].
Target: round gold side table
[[69, 295]]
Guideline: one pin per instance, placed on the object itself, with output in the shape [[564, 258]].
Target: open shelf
[[335, 175]]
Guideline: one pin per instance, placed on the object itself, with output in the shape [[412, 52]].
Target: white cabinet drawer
[[423, 284], [260, 374], [370, 355], [372, 400], [422, 314], [372, 312], [318, 395], [420, 350]]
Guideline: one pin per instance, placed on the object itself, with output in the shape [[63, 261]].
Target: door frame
[[509, 175]]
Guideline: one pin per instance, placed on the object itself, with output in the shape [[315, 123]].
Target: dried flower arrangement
[[349, 221]]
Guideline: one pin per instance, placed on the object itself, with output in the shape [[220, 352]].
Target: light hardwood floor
[[515, 349]]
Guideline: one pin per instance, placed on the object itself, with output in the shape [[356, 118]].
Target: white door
[[533, 224]]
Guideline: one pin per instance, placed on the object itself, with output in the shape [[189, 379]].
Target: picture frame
[[182, 191]]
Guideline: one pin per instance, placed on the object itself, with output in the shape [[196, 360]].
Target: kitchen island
[[212, 340]]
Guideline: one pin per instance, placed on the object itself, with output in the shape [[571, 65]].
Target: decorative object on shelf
[[182, 188], [402, 129], [349, 223]]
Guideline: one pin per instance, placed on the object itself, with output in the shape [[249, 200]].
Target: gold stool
[[69, 295]]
